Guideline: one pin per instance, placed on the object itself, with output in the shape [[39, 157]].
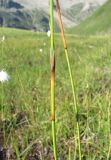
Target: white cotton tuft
[[3, 39], [41, 50], [49, 33], [44, 44], [4, 76]]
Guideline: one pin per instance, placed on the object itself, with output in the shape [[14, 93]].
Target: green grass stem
[[71, 77], [52, 59]]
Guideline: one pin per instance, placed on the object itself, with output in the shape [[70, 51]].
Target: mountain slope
[[99, 22], [34, 14]]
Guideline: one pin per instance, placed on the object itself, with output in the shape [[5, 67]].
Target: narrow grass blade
[[71, 77], [52, 59]]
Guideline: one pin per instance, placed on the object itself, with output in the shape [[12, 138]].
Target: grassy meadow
[[25, 112]]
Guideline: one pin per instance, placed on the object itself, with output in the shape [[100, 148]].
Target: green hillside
[[99, 22]]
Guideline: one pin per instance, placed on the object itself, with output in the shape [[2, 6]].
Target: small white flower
[[44, 44], [4, 76], [3, 39], [48, 33], [41, 50]]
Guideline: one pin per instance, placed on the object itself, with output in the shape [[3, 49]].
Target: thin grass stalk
[[69, 156], [71, 77], [2, 99], [109, 126], [75, 151], [52, 61]]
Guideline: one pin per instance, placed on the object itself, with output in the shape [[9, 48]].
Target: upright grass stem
[[109, 126], [71, 76], [52, 61]]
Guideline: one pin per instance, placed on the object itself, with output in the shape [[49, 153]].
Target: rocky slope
[[34, 14]]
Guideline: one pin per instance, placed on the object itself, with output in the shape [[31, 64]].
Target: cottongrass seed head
[[3, 39], [48, 33], [44, 44], [4, 76], [41, 50]]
